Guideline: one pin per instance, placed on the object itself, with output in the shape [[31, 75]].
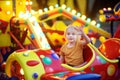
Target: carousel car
[[100, 64]]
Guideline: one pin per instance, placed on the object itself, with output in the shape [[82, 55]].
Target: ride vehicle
[[101, 64]]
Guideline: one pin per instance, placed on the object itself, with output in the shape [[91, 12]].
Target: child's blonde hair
[[69, 26]]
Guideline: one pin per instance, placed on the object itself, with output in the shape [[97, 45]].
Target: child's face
[[71, 34]]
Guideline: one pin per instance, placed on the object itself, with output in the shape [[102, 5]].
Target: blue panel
[[85, 77]]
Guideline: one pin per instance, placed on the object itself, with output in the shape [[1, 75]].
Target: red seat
[[87, 54]]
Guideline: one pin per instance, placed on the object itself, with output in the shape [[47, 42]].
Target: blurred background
[[90, 8]]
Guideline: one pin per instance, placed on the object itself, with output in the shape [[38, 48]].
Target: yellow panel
[[22, 60], [5, 40], [59, 25]]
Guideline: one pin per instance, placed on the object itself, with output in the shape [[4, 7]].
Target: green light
[[88, 20], [98, 25]]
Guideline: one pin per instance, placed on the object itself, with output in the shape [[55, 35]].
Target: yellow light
[[8, 3], [33, 11], [31, 3], [13, 14], [8, 12], [101, 11], [21, 14], [40, 11], [42, 56], [27, 3], [73, 12], [102, 39], [93, 22], [93, 40], [21, 71], [102, 18], [51, 7], [109, 9], [83, 17], [63, 6], [4, 63]]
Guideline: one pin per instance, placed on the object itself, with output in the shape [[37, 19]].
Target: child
[[71, 53]]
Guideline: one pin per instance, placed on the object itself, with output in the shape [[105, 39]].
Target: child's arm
[[85, 37], [62, 59], [81, 32]]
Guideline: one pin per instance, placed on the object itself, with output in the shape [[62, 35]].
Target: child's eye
[[68, 33], [73, 33]]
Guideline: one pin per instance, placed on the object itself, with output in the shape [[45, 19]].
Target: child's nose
[[71, 35]]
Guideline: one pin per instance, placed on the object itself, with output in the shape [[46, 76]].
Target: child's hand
[[80, 30]]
